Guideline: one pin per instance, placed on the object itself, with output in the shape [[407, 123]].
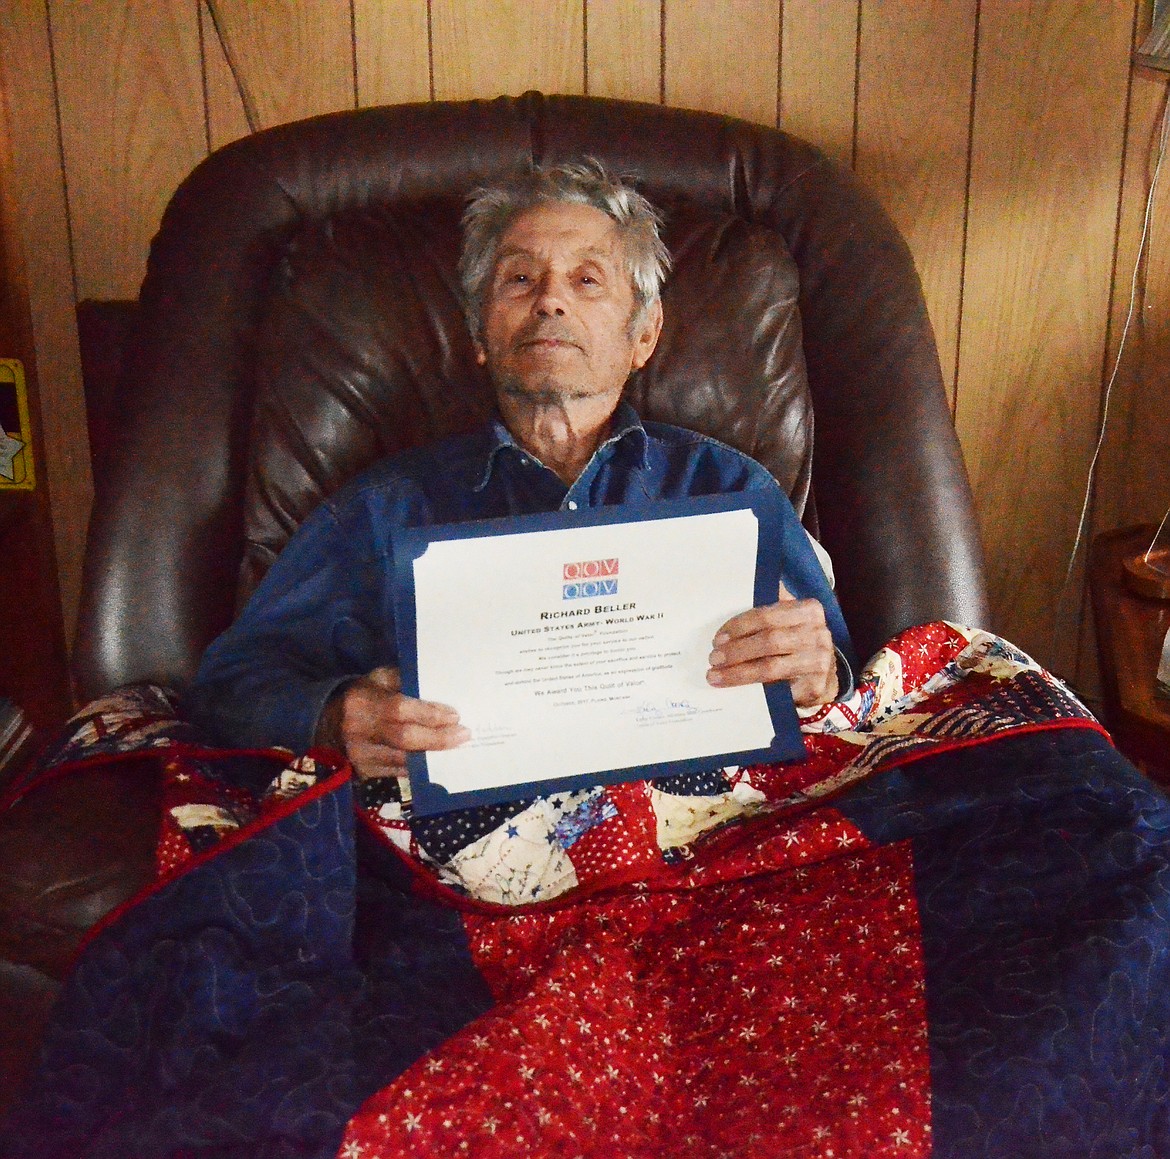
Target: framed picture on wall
[[16, 452]]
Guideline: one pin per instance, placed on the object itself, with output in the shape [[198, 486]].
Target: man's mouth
[[547, 342]]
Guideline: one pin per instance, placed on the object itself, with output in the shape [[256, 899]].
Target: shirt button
[[523, 461], [572, 504]]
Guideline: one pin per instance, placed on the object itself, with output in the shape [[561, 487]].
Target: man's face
[[556, 324]]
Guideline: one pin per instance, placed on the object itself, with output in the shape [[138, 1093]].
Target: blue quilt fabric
[[239, 1012], [1042, 866], [251, 1005]]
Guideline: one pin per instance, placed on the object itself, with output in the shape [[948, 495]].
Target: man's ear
[[480, 352], [646, 335]]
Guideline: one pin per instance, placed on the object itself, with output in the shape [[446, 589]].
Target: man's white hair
[[492, 209]]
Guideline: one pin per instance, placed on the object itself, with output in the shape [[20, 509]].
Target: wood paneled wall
[[1010, 139]]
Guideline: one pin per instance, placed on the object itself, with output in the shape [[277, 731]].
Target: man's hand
[[788, 640], [375, 725]]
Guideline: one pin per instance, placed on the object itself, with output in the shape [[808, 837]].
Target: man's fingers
[[405, 723], [417, 738], [377, 749], [787, 613], [811, 674], [388, 678], [375, 725], [377, 698], [788, 640], [375, 715], [406, 711], [771, 642], [813, 665], [776, 628], [373, 760]]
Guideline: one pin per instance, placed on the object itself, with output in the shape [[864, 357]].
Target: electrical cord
[[1133, 293]]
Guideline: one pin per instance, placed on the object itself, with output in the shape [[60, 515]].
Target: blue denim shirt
[[324, 613]]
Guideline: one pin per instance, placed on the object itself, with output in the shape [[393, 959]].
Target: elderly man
[[561, 272]]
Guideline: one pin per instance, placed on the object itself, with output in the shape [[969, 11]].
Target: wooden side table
[[1130, 632]]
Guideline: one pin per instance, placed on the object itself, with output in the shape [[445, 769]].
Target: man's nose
[[550, 297]]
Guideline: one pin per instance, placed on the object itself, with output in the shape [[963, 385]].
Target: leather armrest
[[71, 850]]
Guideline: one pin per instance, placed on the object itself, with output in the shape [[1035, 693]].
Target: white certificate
[[581, 652]]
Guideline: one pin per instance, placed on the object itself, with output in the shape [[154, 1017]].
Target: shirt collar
[[625, 426]]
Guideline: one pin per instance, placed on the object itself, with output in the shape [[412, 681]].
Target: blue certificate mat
[[574, 644]]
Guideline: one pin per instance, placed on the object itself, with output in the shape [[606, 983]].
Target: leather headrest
[[364, 351]]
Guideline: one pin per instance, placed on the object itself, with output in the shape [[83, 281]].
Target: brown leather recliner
[[299, 319]]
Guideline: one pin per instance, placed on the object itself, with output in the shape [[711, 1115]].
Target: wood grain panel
[[1050, 96], [913, 127], [131, 99], [623, 49], [227, 119], [483, 48], [393, 52], [702, 41], [818, 73], [38, 197], [293, 58]]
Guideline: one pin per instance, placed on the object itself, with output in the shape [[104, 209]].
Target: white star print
[[9, 447]]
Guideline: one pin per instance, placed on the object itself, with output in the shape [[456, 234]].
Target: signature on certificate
[[648, 712], [490, 732]]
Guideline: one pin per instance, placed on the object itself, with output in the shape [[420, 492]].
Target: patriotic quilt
[[942, 933]]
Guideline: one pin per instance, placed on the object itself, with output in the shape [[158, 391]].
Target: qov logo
[[589, 579]]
